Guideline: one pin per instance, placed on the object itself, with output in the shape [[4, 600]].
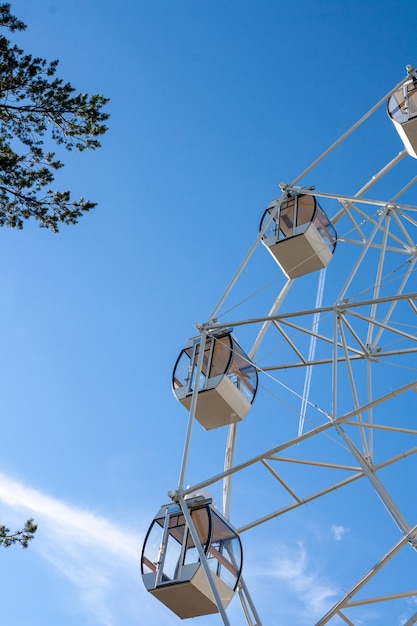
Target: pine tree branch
[[21, 537]]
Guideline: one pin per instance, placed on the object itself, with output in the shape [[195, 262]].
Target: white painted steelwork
[[357, 448]]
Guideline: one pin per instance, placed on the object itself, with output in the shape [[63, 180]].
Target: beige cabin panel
[[193, 598], [220, 406], [302, 254], [408, 135]]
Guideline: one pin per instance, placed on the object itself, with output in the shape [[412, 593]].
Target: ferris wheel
[[317, 371]]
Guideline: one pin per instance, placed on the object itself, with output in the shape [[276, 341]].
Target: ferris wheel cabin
[[227, 383], [300, 236], [402, 109], [171, 568]]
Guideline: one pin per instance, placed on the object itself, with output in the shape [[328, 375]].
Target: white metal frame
[[353, 335]]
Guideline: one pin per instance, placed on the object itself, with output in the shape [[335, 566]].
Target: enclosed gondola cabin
[[402, 109], [300, 236], [227, 383], [171, 567]]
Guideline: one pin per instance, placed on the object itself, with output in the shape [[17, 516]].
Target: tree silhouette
[[35, 106]]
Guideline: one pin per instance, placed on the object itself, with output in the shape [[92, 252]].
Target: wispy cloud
[[68, 522], [98, 558], [294, 567], [306, 592], [338, 531]]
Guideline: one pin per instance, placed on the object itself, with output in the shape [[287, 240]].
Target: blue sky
[[212, 104]]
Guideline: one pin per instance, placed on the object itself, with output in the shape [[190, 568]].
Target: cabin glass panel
[[172, 569], [325, 228], [170, 546], [298, 234], [222, 356], [243, 373], [295, 215], [402, 105], [225, 553], [402, 109]]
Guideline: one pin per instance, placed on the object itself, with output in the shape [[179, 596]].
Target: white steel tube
[[244, 263], [244, 597], [203, 559], [353, 390], [374, 570], [188, 437], [232, 434], [380, 269], [349, 132]]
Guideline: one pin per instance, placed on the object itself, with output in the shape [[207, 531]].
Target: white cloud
[[405, 617], [338, 531], [69, 522], [314, 593], [98, 558]]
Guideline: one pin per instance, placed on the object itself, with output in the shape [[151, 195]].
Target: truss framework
[[365, 342]]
